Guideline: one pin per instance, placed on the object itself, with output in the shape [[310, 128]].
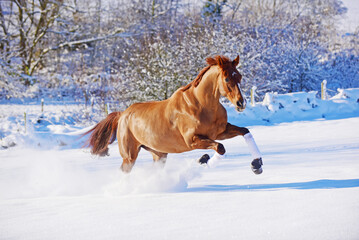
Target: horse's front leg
[[233, 131], [203, 142]]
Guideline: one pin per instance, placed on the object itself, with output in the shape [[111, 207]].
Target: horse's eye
[[227, 80]]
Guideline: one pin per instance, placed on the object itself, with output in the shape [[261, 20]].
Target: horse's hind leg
[[127, 164], [129, 149], [158, 157]]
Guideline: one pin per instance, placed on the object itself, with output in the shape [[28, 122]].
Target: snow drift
[[278, 108], [54, 128]]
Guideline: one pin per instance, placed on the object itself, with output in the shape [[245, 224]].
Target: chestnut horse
[[192, 118]]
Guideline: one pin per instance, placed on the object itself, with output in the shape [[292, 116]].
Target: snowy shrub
[[126, 52]]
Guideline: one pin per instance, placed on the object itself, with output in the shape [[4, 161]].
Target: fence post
[[324, 89], [253, 91], [42, 105], [106, 108], [25, 120]]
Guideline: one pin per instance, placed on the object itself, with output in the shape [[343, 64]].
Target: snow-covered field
[[52, 189]]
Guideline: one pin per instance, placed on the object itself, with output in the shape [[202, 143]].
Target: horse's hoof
[[204, 159], [220, 149], [256, 165], [257, 171]]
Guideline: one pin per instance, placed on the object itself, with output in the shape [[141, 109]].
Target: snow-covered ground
[[52, 189]]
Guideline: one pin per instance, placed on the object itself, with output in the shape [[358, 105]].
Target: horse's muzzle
[[239, 109], [241, 105]]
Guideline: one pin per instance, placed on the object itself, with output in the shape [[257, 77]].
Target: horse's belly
[[158, 135], [165, 141]]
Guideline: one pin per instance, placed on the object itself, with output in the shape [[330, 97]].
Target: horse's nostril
[[239, 104]]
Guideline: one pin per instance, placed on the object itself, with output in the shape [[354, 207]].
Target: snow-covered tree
[[129, 51]]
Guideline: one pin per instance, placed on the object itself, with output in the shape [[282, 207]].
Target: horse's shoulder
[[222, 115], [222, 110]]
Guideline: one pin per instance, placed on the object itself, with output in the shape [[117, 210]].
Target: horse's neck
[[207, 92]]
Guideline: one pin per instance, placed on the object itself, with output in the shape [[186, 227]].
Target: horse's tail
[[103, 134]]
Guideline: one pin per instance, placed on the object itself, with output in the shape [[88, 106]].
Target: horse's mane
[[211, 61]]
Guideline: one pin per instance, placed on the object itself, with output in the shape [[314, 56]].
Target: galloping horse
[[192, 118]]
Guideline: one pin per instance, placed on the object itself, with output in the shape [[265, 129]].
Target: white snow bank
[[62, 125], [278, 108], [56, 126]]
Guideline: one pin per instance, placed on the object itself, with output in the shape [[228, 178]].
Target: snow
[[278, 108], [351, 21], [309, 188]]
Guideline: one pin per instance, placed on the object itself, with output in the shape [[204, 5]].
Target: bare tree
[[26, 24]]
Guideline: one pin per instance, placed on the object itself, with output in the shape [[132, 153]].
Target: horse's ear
[[236, 61], [220, 61]]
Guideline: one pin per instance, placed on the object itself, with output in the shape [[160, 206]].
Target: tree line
[[130, 51]]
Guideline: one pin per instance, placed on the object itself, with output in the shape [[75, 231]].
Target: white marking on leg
[[253, 148], [214, 160]]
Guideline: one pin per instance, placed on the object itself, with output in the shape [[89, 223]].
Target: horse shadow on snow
[[318, 184]]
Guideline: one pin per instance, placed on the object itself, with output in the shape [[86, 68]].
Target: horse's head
[[229, 82]]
